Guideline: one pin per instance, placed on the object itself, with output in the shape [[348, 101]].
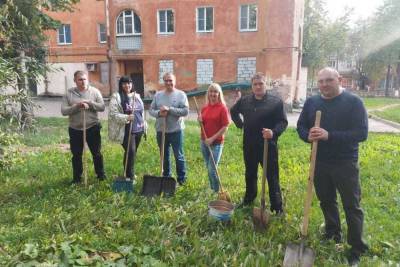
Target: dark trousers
[[174, 140], [133, 146], [93, 140], [342, 176], [253, 156]]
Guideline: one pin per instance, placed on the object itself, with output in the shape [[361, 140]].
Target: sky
[[362, 8]]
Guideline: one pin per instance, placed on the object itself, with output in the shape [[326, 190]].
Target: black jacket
[[253, 115]]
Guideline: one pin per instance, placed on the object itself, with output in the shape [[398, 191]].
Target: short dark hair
[[259, 76], [79, 73]]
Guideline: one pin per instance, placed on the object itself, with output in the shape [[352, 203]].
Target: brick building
[[199, 40]]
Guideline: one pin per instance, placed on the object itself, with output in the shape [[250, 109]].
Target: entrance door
[[137, 79], [134, 68]]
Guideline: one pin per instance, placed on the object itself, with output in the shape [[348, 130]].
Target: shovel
[[157, 185], [260, 216], [123, 183], [299, 255], [222, 194]]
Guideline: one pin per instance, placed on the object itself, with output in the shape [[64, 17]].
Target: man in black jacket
[[344, 123], [261, 116]]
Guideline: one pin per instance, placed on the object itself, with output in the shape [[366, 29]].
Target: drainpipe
[[109, 51]]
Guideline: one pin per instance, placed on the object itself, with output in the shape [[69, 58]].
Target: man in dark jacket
[[344, 124], [261, 116]]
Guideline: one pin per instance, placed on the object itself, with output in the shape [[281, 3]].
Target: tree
[[322, 38], [22, 53], [380, 53]]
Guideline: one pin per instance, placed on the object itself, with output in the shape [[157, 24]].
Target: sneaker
[[353, 259]]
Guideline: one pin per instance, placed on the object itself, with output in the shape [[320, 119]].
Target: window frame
[[124, 26], [166, 21], [205, 19], [248, 18], [65, 39], [99, 33]]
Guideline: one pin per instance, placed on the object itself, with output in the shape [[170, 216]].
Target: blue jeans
[[174, 140], [212, 173]]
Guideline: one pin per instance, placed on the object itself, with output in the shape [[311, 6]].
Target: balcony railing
[[132, 42]]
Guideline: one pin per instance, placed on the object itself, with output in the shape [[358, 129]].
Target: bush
[[8, 152]]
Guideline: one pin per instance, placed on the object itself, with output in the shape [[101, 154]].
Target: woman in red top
[[215, 119]]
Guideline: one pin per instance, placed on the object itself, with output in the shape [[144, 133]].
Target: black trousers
[[342, 176], [253, 156], [93, 140], [132, 149]]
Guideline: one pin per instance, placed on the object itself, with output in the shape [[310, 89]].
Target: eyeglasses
[[328, 80]]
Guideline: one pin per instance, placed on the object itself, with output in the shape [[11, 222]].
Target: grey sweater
[[178, 108], [70, 108]]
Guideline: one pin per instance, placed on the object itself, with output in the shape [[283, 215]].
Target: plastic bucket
[[220, 210]]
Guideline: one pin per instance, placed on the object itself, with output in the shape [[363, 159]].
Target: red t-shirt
[[214, 118]]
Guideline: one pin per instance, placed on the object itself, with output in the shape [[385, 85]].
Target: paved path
[[51, 107]]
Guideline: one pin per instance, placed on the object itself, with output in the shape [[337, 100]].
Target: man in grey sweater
[[79, 101], [171, 105]]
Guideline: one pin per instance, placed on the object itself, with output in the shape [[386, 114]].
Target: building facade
[[201, 41]]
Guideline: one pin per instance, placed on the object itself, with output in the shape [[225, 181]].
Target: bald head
[[329, 82]]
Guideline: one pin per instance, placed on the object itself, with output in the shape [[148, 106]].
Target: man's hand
[[83, 105], [317, 133], [267, 133], [164, 111]]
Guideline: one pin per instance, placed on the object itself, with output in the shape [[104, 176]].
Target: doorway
[[134, 69]]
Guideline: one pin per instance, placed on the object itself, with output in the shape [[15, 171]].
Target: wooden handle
[[164, 129], [264, 177], [129, 134], [84, 149], [221, 189], [307, 202]]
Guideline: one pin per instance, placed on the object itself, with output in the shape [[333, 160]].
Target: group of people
[[261, 115]]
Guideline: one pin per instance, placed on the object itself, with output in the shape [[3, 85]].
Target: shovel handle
[[209, 148], [164, 129], [264, 177], [84, 149], [130, 134], [307, 202]]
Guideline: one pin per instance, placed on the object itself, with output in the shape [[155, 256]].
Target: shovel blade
[[298, 256], [168, 186], [260, 219], [151, 186]]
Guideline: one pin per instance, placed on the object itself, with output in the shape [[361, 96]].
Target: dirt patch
[[64, 148]]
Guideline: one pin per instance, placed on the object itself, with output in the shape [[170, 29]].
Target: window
[[164, 66], [205, 70], [165, 21], [205, 19], [64, 34], [128, 23], [248, 18], [102, 33]]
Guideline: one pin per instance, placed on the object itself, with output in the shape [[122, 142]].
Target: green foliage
[[391, 114], [46, 221], [379, 102], [8, 153]]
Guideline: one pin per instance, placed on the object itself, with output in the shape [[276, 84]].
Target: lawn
[[392, 114], [379, 102], [44, 220]]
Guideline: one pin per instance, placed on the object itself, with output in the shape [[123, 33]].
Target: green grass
[[44, 220], [392, 114], [379, 102]]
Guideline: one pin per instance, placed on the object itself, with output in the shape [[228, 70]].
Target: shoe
[[243, 204], [337, 237], [102, 177], [353, 259]]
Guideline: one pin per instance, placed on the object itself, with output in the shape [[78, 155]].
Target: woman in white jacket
[[126, 107]]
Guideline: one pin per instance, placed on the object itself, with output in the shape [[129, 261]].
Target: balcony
[[129, 42]]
